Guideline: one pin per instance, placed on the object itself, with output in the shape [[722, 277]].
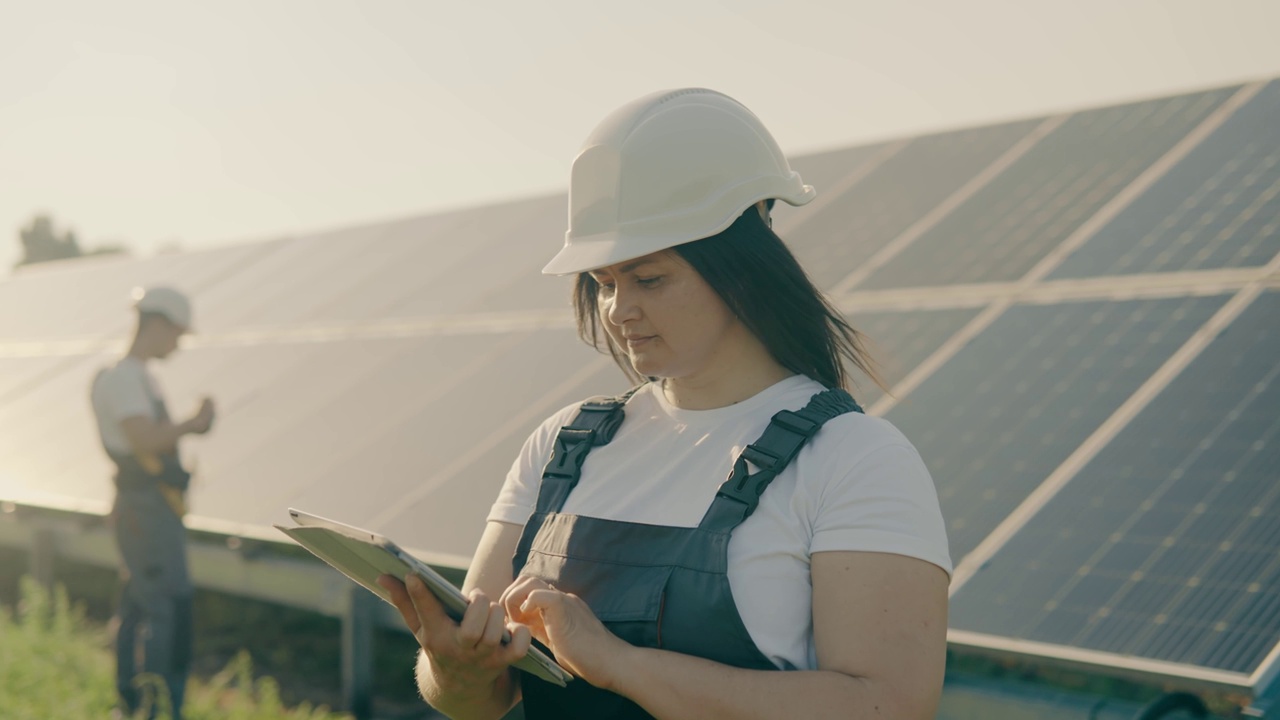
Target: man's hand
[[202, 421]]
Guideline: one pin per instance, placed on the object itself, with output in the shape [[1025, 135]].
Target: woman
[[616, 542]]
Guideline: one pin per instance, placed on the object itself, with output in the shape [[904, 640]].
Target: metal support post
[[357, 652], [44, 553]]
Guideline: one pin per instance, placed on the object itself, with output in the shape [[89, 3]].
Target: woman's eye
[[649, 281]]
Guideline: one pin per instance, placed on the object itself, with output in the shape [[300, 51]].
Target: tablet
[[363, 556]]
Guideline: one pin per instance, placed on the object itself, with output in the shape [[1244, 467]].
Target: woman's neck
[[728, 386]]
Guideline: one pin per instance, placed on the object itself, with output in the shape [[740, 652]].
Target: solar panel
[[459, 498], [269, 446], [327, 271], [1164, 545], [1218, 208], [241, 379], [446, 269], [411, 459], [900, 340], [515, 282], [45, 298], [997, 419], [825, 170], [1013, 222], [834, 239], [91, 297]]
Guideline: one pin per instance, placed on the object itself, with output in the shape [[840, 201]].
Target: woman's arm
[[463, 668], [879, 627]]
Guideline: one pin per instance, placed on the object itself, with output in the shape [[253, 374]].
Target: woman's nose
[[622, 306]]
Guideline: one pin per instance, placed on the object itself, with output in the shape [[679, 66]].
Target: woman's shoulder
[[854, 436], [565, 415], [851, 431]]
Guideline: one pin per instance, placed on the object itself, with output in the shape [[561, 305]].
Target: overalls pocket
[[628, 599]]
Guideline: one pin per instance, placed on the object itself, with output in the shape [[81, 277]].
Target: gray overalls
[[652, 585], [157, 590]]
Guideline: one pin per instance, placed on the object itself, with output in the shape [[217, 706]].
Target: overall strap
[[595, 424], [787, 432]]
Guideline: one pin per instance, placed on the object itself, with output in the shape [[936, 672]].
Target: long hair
[[761, 282]]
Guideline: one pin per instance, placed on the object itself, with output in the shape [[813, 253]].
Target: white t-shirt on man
[[856, 485], [122, 391]]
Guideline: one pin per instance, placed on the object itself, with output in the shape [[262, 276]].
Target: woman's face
[[664, 316]]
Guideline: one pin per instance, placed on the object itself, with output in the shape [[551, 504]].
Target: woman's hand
[[564, 623], [466, 657]]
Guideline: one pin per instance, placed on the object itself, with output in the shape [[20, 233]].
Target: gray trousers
[[155, 613]]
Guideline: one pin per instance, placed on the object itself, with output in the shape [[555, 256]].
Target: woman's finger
[[433, 621], [515, 595], [495, 628], [521, 639], [474, 620], [400, 598], [542, 600]]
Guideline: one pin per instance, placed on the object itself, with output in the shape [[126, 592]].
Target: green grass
[[56, 664]]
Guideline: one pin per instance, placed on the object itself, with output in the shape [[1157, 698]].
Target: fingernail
[[413, 581]]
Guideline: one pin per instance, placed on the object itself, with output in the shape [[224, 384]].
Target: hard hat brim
[[593, 252]]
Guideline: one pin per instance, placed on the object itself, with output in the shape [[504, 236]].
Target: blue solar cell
[[1192, 486], [1012, 223], [898, 341], [998, 418], [1219, 207], [835, 240], [826, 170]]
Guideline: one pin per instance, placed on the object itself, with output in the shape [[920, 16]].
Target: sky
[[179, 124]]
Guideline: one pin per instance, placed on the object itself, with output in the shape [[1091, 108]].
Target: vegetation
[[42, 243], [55, 664]]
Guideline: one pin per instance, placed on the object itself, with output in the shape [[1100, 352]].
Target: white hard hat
[[167, 302], [666, 169]]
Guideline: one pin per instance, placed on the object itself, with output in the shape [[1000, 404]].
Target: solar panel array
[[1077, 316]]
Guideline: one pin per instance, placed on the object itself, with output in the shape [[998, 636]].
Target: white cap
[[164, 301], [667, 169]]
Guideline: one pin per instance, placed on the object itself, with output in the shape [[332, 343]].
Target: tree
[[41, 243]]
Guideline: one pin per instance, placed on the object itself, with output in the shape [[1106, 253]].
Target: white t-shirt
[[856, 485], [121, 391]]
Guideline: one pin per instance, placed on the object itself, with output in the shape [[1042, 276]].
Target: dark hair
[[761, 282]]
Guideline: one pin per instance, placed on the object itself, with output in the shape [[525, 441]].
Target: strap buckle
[[761, 458], [605, 427], [747, 487], [796, 423], [569, 453]]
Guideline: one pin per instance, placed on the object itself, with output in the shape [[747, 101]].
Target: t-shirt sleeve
[[886, 502], [519, 493], [125, 395]]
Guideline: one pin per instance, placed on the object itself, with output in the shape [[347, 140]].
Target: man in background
[[142, 441]]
